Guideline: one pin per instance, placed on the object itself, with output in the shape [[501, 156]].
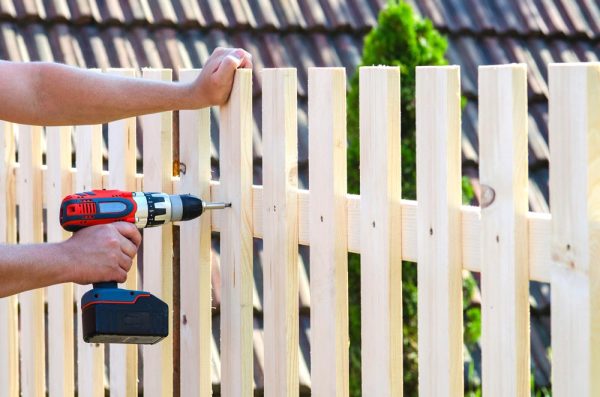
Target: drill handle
[[106, 284]]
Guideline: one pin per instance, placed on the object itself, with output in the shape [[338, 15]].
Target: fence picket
[[31, 303], [236, 239], [121, 175], [503, 244], [195, 254], [280, 240], [158, 241], [574, 129], [90, 356], [9, 335], [439, 232], [57, 184], [327, 231], [380, 230]]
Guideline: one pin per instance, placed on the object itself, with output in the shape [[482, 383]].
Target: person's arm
[[94, 254], [52, 94]]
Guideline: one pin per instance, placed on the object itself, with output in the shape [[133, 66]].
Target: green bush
[[404, 40]]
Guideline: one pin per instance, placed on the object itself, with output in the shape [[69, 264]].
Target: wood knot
[[488, 195]]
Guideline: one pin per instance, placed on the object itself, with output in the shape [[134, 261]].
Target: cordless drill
[[111, 314]]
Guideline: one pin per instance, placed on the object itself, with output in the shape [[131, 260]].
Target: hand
[[102, 253], [213, 86]]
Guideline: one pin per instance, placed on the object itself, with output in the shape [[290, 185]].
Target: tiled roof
[[182, 33]]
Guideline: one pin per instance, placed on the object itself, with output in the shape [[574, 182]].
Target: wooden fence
[[502, 240]]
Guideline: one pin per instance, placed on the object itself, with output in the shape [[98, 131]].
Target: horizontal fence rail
[[500, 239]]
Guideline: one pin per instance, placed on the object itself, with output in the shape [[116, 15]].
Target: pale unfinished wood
[[380, 231], [574, 130], [90, 356], [195, 252], [327, 224], [235, 162], [58, 184], [439, 231], [158, 241], [122, 168], [504, 271], [280, 231], [31, 303], [9, 335]]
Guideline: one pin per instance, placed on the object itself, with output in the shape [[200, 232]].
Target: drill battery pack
[[114, 315]]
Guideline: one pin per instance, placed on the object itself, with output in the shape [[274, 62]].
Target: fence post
[[236, 239], [9, 334], [439, 231], [121, 175], [195, 254], [574, 129], [328, 231], [90, 356], [504, 233], [380, 230], [31, 303], [158, 241], [280, 231], [58, 184]]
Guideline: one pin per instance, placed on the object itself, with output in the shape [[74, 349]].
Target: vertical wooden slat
[[280, 231], [380, 231], [158, 241], [31, 303], [195, 252], [29, 192], [327, 229], [122, 167], [438, 231], [9, 337], [236, 239], [505, 266], [574, 128], [58, 184], [90, 356]]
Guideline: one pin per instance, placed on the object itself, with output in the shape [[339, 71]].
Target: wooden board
[[90, 356], [439, 232], [158, 241], [503, 245], [280, 237], [195, 252], [9, 335], [327, 226], [236, 239], [574, 131], [122, 167], [380, 231], [58, 184], [31, 303]]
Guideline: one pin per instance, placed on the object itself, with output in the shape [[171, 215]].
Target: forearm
[[63, 95], [26, 267]]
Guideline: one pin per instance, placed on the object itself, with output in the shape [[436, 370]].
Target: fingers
[[129, 231]]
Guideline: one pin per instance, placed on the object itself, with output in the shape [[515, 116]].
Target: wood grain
[[503, 245], [327, 226], [31, 303], [158, 241], [574, 131], [380, 231], [280, 237], [237, 282], [195, 252], [58, 184], [439, 198]]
